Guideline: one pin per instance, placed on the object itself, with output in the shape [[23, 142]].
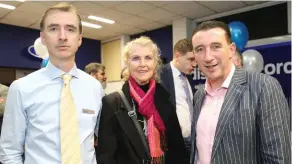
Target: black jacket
[[118, 139]]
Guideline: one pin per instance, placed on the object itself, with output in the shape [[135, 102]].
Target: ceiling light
[[101, 19], [90, 25], [7, 6], [20, 0]]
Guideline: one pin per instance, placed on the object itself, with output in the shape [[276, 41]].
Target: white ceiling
[[131, 17]]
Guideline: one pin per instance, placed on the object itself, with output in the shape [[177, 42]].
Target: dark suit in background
[[253, 126], [166, 78], [118, 139]]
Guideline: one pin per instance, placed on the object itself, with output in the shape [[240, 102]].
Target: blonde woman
[[119, 139]]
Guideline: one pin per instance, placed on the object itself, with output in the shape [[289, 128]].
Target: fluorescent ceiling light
[[101, 19], [20, 0], [7, 6], [90, 25]]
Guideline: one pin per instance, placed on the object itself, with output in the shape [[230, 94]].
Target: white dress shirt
[[32, 116], [182, 108]]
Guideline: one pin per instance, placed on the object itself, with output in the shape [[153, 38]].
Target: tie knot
[[182, 75], [66, 78]]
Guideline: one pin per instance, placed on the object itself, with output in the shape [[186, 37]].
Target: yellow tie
[[70, 142]]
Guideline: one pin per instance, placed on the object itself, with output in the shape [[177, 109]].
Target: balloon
[[239, 34], [40, 49], [253, 60], [45, 62]]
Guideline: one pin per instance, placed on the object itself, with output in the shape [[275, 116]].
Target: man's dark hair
[[208, 25]]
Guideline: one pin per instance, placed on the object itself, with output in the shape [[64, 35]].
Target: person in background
[[51, 113], [119, 139], [237, 59], [97, 70], [125, 74], [240, 116], [3, 95], [174, 79]]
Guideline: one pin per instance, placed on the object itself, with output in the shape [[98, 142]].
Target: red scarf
[[155, 125]]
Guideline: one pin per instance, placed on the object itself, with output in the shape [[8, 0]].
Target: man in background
[[237, 59], [3, 95], [97, 71], [174, 79]]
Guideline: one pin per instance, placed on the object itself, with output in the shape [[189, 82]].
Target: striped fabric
[[253, 125]]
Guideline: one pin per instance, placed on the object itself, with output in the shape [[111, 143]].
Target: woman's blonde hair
[[145, 42]]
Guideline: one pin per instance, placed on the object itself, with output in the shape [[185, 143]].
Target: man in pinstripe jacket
[[240, 117]]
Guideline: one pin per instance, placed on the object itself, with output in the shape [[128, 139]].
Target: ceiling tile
[[33, 7], [254, 2], [116, 27], [89, 8], [134, 7], [157, 14], [4, 12], [20, 18], [157, 3], [114, 15], [223, 6], [135, 21], [13, 3], [132, 31], [168, 21], [50, 3], [197, 11], [151, 26], [35, 25], [109, 4]]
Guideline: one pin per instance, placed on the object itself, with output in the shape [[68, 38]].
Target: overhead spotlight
[[90, 25], [7, 6], [101, 19]]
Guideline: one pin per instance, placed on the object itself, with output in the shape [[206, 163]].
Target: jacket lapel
[[198, 102], [231, 100], [169, 83], [128, 126]]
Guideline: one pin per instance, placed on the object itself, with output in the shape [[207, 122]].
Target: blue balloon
[[239, 34], [45, 62]]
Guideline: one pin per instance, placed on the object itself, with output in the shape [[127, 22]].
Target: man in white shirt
[[174, 77], [50, 114]]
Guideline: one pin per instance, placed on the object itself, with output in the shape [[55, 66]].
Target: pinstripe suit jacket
[[253, 125]]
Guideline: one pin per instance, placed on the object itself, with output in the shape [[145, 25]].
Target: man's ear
[[91, 74], [80, 40], [42, 38], [176, 55]]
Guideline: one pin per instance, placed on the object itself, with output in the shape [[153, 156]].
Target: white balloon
[[253, 60], [40, 49]]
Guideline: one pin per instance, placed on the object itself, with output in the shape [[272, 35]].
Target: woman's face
[[141, 64]]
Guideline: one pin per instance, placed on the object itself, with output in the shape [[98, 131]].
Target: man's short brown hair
[[208, 25], [65, 7], [94, 68], [183, 46]]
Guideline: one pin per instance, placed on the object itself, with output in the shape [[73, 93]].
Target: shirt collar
[[225, 84], [175, 71], [53, 72]]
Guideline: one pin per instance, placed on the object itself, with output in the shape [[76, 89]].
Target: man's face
[[61, 34], [237, 61], [101, 77], [213, 53], [185, 62]]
